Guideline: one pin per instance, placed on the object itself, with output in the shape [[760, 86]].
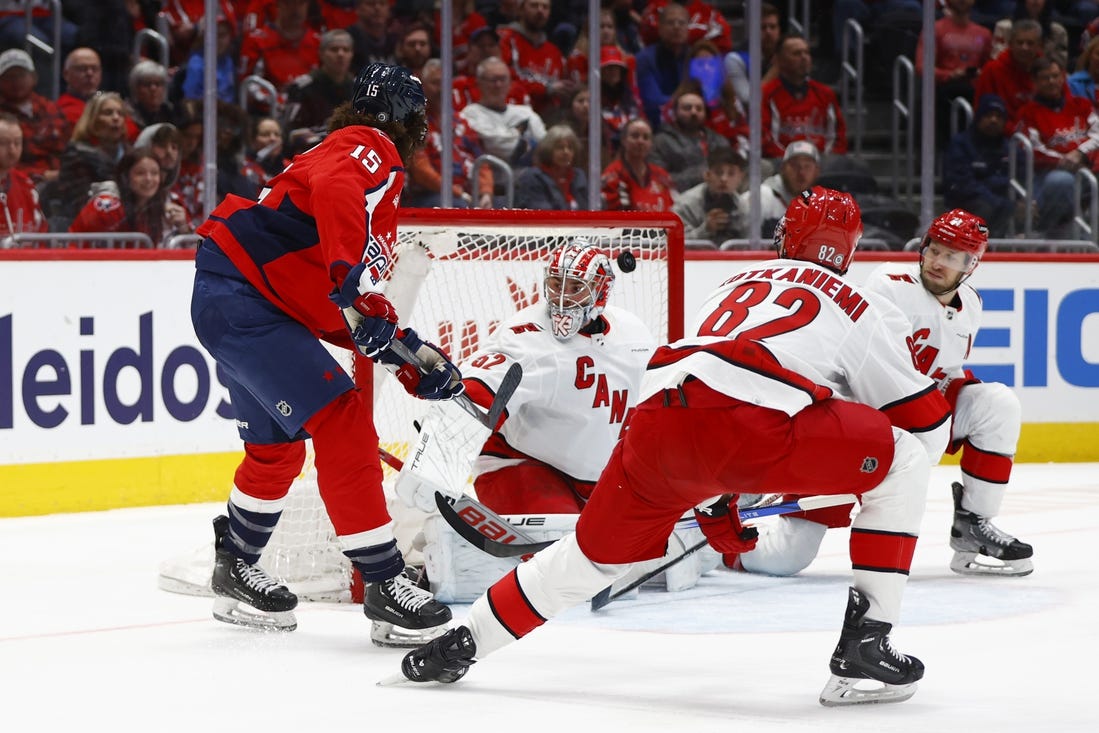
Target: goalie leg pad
[[459, 572]]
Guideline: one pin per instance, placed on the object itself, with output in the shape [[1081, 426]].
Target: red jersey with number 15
[[337, 202]]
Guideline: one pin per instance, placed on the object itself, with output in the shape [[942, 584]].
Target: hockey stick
[[605, 596], [507, 388], [473, 518]]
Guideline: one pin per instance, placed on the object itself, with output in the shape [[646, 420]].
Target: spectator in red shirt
[[137, 204], [1008, 75], [632, 182], [83, 75], [18, 196], [962, 47], [706, 24], [796, 107], [1064, 131], [45, 129], [283, 50], [525, 47]]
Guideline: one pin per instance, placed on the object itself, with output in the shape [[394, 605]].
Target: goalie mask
[[821, 226], [577, 283], [951, 250]]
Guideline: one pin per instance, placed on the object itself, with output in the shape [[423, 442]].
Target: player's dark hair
[[407, 140]]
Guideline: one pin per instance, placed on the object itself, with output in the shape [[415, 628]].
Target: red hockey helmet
[[958, 229], [821, 226], [954, 243], [577, 283]]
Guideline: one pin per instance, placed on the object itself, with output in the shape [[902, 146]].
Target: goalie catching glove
[[720, 522]]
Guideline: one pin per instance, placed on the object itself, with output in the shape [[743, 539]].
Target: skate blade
[[392, 680], [229, 611], [386, 635], [842, 691], [972, 563]]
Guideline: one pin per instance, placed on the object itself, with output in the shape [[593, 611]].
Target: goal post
[[456, 274]]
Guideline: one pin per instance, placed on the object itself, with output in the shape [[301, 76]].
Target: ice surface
[[88, 640]]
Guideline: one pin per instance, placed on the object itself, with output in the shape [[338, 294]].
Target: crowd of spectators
[[674, 105]]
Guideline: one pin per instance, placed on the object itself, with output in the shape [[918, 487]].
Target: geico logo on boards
[[49, 389], [1039, 334]]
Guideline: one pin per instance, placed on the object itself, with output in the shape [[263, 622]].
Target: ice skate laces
[[405, 593], [255, 577], [990, 531]]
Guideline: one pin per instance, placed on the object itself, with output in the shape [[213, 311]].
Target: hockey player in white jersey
[[944, 313], [775, 391], [582, 364]]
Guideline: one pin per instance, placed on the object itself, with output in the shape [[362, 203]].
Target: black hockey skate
[[404, 614], [864, 653], [980, 548], [445, 659], [235, 581]]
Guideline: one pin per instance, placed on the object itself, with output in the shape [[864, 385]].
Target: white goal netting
[[456, 275]]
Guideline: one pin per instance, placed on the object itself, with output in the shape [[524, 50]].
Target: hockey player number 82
[[804, 305]]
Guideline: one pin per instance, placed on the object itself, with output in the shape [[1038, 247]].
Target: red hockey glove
[[954, 386], [370, 317], [439, 378], [721, 525]]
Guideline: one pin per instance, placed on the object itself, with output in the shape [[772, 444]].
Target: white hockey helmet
[[577, 283]]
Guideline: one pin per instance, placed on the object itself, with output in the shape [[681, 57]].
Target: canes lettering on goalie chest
[[587, 378]]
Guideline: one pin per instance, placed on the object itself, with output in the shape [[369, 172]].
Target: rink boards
[[107, 400]]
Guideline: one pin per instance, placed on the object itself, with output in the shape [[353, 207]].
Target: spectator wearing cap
[[618, 95], [714, 209], [21, 211], [632, 182], [373, 34], [662, 66], [508, 131], [83, 76], [796, 107], [148, 103], [682, 146], [576, 63], [225, 73], [975, 168], [45, 130], [1064, 131], [311, 99], [534, 59], [798, 172]]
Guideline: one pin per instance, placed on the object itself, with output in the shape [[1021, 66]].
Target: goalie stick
[[507, 388], [605, 596]]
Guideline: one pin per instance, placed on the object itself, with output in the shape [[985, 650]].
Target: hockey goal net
[[456, 275]]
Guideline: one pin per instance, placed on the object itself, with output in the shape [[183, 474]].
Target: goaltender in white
[[582, 363]]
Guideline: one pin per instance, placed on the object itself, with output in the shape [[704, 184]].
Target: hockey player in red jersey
[[944, 314], [773, 392], [306, 263]]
